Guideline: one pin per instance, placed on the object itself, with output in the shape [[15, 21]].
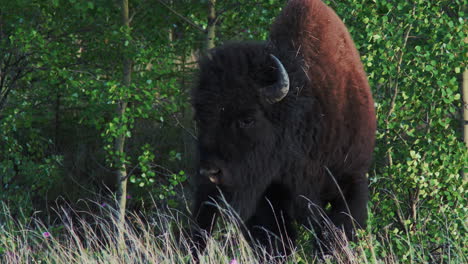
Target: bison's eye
[[246, 122]]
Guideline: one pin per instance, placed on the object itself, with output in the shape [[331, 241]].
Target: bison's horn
[[276, 92]]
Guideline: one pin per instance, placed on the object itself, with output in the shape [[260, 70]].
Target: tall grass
[[159, 237]]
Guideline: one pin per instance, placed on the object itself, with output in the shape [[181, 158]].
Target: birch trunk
[[211, 28], [119, 145]]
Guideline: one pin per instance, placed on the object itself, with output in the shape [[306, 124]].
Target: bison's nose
[[211, 173]]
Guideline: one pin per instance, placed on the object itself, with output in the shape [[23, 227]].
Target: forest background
[[95, 106]]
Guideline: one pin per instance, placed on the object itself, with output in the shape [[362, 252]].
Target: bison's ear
[[277, 91]]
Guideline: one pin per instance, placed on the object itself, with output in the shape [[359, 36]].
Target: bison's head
[[237, 89]]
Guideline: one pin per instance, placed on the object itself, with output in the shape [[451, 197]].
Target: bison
[[286, 128]]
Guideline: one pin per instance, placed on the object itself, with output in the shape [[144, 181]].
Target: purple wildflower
[[46, 234], [234, 261], [11, 255]]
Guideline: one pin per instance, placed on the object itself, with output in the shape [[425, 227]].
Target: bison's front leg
[[208, 199], [204, 213], [271, 225]]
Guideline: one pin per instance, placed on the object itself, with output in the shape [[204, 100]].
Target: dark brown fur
[[320, 134]]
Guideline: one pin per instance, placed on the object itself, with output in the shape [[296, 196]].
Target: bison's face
[[236, 136], [231, 140]]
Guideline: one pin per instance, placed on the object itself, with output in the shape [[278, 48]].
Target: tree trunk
[[57, 120], [210, 30], [120, 140]]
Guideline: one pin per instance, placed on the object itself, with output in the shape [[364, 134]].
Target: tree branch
[[182, 17], [395, 93]]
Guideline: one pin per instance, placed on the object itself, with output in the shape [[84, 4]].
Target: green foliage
[[66, 90], [29, 170], [235, 25], [26, 172], [147, 174]]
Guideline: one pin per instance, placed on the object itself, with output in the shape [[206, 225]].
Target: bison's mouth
[[213, 174], [213, 179]]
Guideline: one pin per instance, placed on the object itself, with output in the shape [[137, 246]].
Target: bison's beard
[[246, 181]]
